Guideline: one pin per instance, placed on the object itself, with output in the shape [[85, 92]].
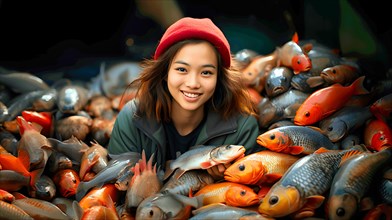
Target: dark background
[[39, 36]]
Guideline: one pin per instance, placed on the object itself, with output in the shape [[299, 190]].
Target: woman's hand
[[217, 171]]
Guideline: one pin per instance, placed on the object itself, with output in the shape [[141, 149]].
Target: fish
[[245, 56], [44, 119], [45, 189], [67, 182], [69, 206], [254, 74], [280, 107], [192, 180], [382, 107], [95, 158], [382, 210], [219, 211], [20, 164], [344, 121], [351, 182], [40, 209], [72, 98], [293, 56], [377, 134], [13, 181], [229, 193], [75, 125], [278, 81], [260, 167], [167, 205], [295, 140], [109, 173], [23, 82], [22, 102], [72, 147], [343, 74], [300, 191], [384, 186], [100, 212], [324, 102], [144, 183], [58, 161], [11, 211], [204, 157]]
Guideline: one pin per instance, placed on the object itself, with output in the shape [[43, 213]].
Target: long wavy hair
[[154, 99]]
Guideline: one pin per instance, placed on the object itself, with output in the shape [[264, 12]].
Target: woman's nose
[[192, 80]]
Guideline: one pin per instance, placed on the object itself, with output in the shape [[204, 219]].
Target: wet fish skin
[[23, 82]]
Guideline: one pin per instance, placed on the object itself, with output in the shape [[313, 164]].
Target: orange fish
[[326, 101], [20, 164], [293, 56], [233, 194], [100, 197], [67, 182], [260, 167]]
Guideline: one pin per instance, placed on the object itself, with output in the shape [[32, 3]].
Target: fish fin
[[78, 210], [34, 177], [359, 89], [321, 150], [315, 81], [348, 155], [168, 172], [24, 158], [208, 207], [316, 128], [306, 48], [178, 173], [295, 150], [85, 168], [80, 191], [295, 37], [366, 204], [272, 178], [205, 165], [308, 209]]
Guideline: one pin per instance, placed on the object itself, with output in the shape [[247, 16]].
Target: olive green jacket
[[134, 133]]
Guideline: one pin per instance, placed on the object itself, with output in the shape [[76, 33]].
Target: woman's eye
[[181, 69], [206, 73]]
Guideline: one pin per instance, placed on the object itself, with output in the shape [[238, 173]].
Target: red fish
[[326, 101], [67, 182], [293, 56], [382, 108], [377, 134], [44, 119]]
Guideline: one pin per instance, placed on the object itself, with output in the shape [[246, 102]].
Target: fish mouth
[[261, 142], [277, 90]]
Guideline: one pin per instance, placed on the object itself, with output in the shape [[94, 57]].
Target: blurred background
[[73, 37]]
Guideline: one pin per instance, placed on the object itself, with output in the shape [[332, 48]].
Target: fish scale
[[313, 174]]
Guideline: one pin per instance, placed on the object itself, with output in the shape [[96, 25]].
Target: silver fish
[[23, 82]]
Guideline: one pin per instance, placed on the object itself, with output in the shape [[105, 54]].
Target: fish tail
[[80, 191], [359, 89], [34, 177]]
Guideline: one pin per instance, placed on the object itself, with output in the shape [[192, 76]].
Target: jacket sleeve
[[248, 131], [121, 139]]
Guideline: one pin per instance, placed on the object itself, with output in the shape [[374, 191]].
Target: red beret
[[195, 28]]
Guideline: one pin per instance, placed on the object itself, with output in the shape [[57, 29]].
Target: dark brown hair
[[230, 97]]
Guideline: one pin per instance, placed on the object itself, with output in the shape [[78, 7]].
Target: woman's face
[[192, 76]]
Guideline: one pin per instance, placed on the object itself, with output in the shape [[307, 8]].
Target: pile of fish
[[325, 147]]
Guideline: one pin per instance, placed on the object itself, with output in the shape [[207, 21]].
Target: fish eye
[[272, 137], [74, 180], [334, 71], [307, 114], [151, 213], [284, 79], [249, 73], [382, 138], [243, 192], [340, 212], [228, 147], [330, 128], [273, 200], [298, 61], [241, 167]]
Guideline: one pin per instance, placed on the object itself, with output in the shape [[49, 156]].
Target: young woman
[[187, 95]]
